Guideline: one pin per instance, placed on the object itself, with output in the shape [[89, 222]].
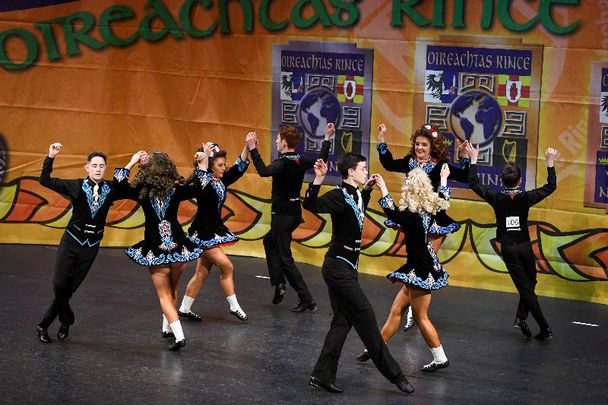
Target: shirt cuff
[[382, 148], [121, 173]]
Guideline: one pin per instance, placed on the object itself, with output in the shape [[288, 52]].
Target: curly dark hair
[[157, 176], [438, 147]]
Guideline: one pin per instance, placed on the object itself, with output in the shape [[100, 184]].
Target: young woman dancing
[[422, 272], [165, 248], [208, 230]]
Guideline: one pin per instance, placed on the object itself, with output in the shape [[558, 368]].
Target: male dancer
[[511, 208], [346, 205], [91, 199], [287, 173]]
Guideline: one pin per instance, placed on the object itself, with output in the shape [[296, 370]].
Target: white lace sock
[[186, 304], [176, 327], [166, 327], [438, 354], [234, 303]]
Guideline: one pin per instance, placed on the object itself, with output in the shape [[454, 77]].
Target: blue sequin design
[[121, 173], [215, 241], [426, 167], [358, 213], [151, 260], [465, 162], [436, 229], [88, 190], [382, 148], [411, 278], [160, 206], [241, 165]]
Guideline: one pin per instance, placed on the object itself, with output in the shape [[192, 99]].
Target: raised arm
[[484, 192], [386, 202], [238, 169], [330, 130], [537, 195], [120, 182], [258, 162], [66, 187], [386, 157], [328, 203]]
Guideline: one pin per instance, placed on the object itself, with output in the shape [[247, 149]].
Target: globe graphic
[[317, 108], [476, 117]]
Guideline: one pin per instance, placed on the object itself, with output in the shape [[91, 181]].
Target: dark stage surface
[[115, 353]]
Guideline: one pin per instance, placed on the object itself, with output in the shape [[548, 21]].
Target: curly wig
[[417, 194], [157, 176], [438, 147]]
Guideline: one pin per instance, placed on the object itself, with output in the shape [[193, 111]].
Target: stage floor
[[115, 353]]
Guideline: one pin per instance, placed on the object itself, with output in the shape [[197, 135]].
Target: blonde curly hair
[[417, 194]]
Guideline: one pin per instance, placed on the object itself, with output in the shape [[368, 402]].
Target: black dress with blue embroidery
[[442, 224], [422, 268], [207, 229], [164, 239]]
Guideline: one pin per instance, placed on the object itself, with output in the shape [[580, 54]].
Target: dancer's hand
[[550, 154], [251, 140], [54, 149], [370, 183], [320, 172], [207, 148], [381, 133], [473, 152], [138, 157], [199, 156], [381, 184], [330, 130], [445, 172], [461, 147]]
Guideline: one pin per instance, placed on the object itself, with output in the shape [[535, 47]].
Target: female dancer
[[208, 230], [428, 153], [422, 272], [165, 248]]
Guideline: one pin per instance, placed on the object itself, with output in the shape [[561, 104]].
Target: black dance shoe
[[63, 332], [178, 344], [434, 366], [363, 357], [408, 323], [239, 314], [545, 334], [279, 294], [301, 307], [521, 324], [43, 334], [314, 382], [405, 386], [190, 315], [167, 335]]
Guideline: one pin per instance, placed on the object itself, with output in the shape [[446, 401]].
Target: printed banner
[[316, 83], [488, 96], [596, 173]]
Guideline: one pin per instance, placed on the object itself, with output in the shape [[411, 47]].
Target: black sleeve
[[539, 194], [323, 154], [260, 166], [484, 192], [237, 171], [366, 194], [122, 188], [390, 164], [69, 188], [329, 203], [392, 213], [460, 174]]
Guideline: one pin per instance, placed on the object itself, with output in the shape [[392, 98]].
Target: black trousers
[[71, 267], [519, 259], [277, 245], [351, 309]]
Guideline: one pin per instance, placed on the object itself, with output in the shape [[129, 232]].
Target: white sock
[[176, 327], [166, 327], [438, 354], [234, 304], [186, 304], [409, 314]]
